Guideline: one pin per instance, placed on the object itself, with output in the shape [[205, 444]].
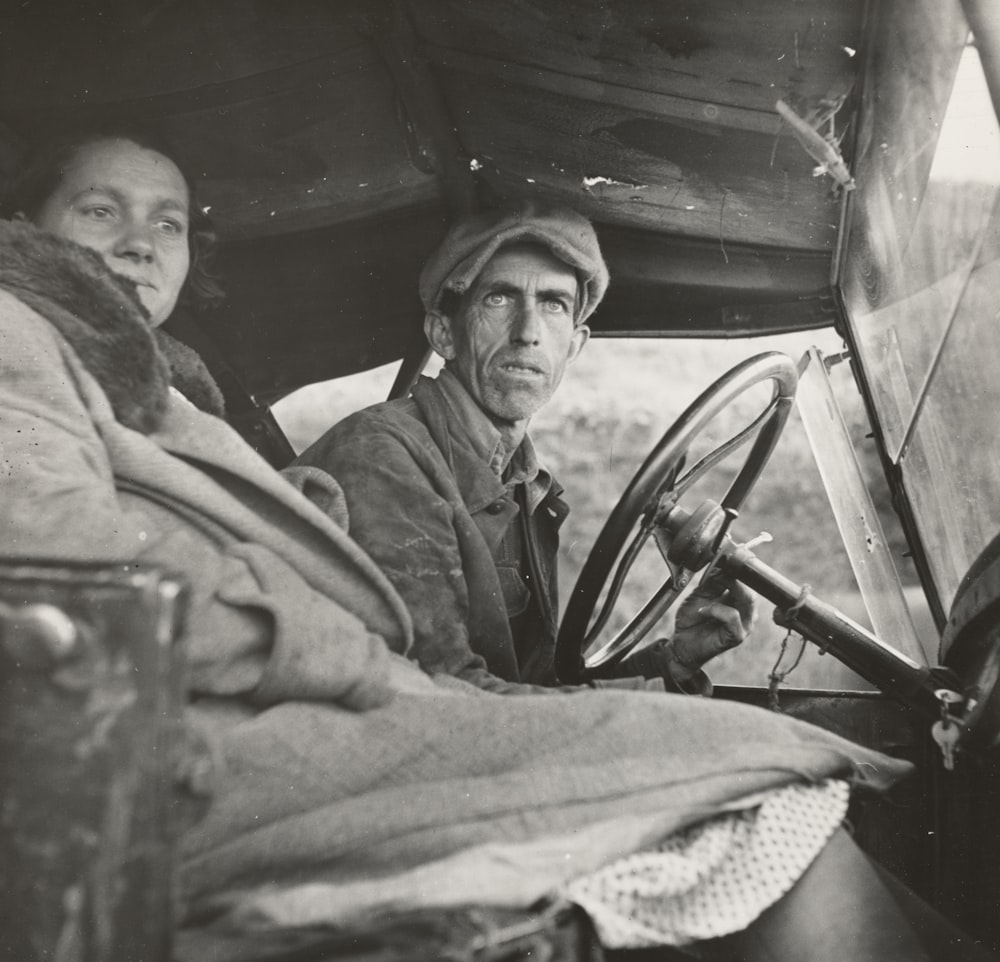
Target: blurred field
[[613, 406]]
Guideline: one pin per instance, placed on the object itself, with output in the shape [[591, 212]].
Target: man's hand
[[715, 617]]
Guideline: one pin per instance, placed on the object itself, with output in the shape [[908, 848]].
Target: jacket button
[[496, 507]]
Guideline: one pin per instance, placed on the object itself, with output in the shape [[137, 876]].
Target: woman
[[350, 781], [42, 194]]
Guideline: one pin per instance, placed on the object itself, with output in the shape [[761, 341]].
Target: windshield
[[920, 284]]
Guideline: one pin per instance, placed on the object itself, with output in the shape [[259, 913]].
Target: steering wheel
[[650, 496]]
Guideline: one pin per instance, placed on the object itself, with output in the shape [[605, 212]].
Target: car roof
[[335, 142]]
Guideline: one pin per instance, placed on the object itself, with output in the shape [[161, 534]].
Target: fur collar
[[189, 374], [100, 315]]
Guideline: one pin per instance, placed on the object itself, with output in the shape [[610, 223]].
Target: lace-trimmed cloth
[[716, 877]]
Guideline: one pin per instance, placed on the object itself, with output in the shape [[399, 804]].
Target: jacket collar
[[470, 443], [96, 311], [99, 313]]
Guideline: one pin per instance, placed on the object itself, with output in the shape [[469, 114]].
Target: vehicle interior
[[806, 190]]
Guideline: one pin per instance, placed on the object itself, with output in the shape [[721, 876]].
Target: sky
[[969, 146]]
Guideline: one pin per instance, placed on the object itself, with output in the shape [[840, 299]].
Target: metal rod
[[797, 608], [829, 629]]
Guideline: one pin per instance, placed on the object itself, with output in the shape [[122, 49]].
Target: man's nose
[[527, 325], [135, 242]]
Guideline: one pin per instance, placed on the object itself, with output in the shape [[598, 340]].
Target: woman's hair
[[47, 165]]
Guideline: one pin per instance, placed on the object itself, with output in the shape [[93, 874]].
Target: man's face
[[130, 205], [514, 335]]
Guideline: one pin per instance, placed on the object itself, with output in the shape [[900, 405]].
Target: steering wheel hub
[[694, 545]]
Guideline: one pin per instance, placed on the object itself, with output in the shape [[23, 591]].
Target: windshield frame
[[880, 277]]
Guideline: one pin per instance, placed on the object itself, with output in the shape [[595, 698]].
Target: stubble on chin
[[515, 406]]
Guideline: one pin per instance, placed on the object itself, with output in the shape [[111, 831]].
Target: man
[[444, 488]]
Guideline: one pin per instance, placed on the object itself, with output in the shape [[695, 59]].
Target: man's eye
[[556, 306], [495, 300]]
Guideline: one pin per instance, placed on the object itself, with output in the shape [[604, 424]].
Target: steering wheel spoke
[[648, 500], [618, 580], [722, 452]]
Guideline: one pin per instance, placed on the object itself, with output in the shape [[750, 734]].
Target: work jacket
[[426, 503]]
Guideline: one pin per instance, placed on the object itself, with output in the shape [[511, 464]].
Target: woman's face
[[131, 205]]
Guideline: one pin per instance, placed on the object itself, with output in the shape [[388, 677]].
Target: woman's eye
[[98, 212], [172, 227]]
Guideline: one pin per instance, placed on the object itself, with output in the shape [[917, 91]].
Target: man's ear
[[437, 329], [581, 335]]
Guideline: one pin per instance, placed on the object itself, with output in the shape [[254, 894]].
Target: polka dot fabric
[[716, 877]]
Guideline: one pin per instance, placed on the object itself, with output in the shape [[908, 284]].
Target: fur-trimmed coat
[[348, 779]]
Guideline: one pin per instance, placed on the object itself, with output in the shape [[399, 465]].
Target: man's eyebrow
[[548, 293], [501, 287], [556, 293]]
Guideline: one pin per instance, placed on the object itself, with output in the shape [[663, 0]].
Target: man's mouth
[[521, 368]]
